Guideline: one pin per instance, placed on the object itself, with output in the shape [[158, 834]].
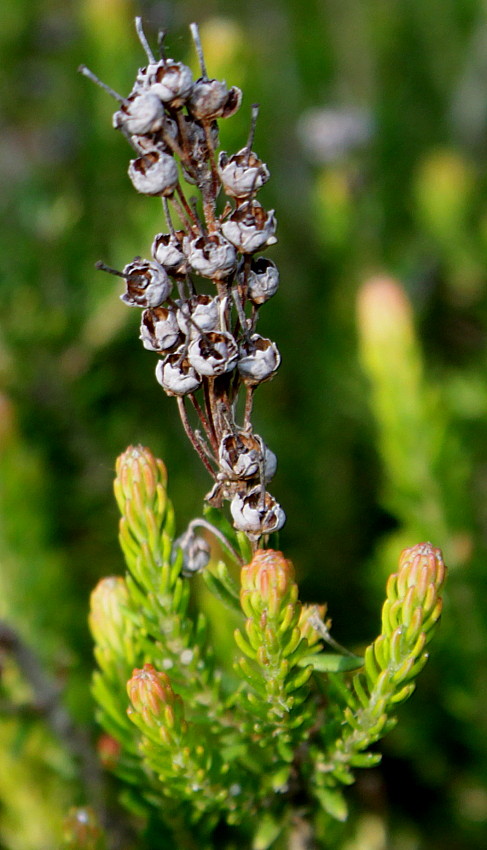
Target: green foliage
[[240, 744]]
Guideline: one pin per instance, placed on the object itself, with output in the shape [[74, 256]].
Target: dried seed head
[[141, 113], [210, 256], [147, 284], [159, 329], [171, 81], [258, 360], [256, 513], [167, 249], [242, 174], [262, 280], [176, 375], [212, 99], [213, 354], [244, 456], [250, 228], [198, 315], [154, 173], [196, 552]]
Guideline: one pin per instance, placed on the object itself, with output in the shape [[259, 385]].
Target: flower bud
[[210, 256], [242, 174], [167, 249], [262, 280], [258, 360], [212, 99], [154, 173], [198, 315], [147, 284], [176, 375], [140, 114], [159, 329], [256, 513], [109, 603], [153, 698], [171, 81], [268, 581], [250, 228], [213, 354]]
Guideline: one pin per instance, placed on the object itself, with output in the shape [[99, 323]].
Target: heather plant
[[250, 743]]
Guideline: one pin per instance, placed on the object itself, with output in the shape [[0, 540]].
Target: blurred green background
[[374, 124]]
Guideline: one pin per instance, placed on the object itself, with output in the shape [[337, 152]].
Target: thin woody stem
[[204, 421], [192, 437]]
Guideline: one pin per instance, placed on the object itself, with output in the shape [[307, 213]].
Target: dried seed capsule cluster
[[211, 357]]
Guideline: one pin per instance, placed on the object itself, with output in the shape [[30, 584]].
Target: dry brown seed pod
[[147, 284], [210, 256], [176, 375], [256, 513], [242, 174], [159, 329], [154, 173], [250, 228], [213, 354]]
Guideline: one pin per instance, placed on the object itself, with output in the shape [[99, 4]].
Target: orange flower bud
[[268, 582], [153, 698]]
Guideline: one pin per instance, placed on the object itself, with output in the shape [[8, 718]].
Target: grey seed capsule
[[250, 228], [256, 515], [210, 256], [171, 81], [167, 249], [242, 174], [197, 315], [159, 329], [140, 114], [262, 280], [196, 552], [212, 99], [213, 354], [244, 456], [176, 375], [154, 173], [147, 284], [259, 359]]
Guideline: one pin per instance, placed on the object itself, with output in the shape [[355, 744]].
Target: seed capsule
[[212, 99], [256, 515], [154, 173], [159, 329], [210, 256], [244, 456], [250, 228], [147, 284], [141, 113], [262, 280], [198, 315], [213, 354], [259, 359], [167, 249], [176, 375], [171, 81], [242, 174]]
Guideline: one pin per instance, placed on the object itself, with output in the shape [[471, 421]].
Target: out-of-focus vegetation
[[374, 124]]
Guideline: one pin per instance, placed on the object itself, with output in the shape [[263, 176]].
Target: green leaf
[[333, 802], [328, 662], [218, 589], [267, 831]]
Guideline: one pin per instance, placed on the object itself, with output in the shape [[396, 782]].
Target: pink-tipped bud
[[268, 581], [138, 466], [153, 698], [420, 566]]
